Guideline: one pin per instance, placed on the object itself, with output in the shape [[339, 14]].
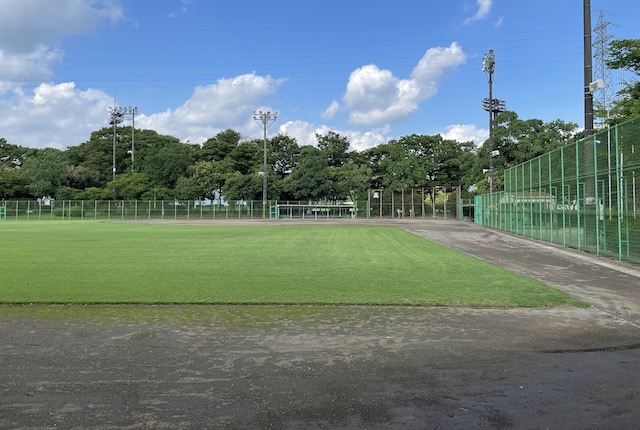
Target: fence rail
[[584, 195]]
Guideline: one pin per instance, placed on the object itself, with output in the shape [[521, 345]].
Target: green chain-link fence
[[46, 209], [439, 202], [584, 195]]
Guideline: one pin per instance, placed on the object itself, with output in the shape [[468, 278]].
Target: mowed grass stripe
[[94, 262]]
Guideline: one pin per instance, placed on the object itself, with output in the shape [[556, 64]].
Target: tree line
[[231, 167]]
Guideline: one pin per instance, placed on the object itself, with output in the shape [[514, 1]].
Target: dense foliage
[[624, 54], [227, 167]]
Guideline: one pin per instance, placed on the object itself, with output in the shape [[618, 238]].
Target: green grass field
[[95, 262]]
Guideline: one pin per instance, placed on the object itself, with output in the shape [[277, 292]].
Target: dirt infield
[[307, 367]]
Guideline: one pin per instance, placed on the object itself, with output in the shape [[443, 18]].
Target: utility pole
[[265, 119]]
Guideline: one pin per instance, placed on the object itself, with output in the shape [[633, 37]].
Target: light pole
[[116, 118], [488, 66], [119, 114], [265, 119]]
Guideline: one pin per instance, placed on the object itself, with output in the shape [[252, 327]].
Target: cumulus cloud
[[466, 133], [376, 96], [303, 131], [30, 48], [227, 103], [53, 115], [305, 134], [331, 111], [61, 115], [483, 9]]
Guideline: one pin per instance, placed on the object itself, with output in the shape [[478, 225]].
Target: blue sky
[[372, 71]]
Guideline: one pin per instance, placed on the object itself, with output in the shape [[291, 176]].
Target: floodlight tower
[[488, 66], [265, 119], [132, 111], [118, 115], [116, 118]]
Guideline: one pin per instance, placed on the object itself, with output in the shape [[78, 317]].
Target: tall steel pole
[[588, 74], [134, 111], [488, 66], [117, 115], [116, 118], [265, 119]]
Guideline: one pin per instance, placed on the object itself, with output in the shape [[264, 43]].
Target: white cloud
[[367, 139], [34, 28], [53, 115], [466, 133], [227, 103], [305, 134], [376, 96], [484, 7], [62, 115], [302, 131], [331, 111]]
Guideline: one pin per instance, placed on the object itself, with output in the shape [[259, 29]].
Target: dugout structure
[[313, 210], [584, 195]]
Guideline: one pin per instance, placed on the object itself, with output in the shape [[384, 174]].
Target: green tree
[[239, 187], [12, 184], [208, 179], [187, 189], [404, 163], [129, 186], [81, 177], [96, 154], [518, 141], [167, 161], [245, 158], [44, 172], [311, 179], [217, 148], [12, 156], [349, 180], [283, 154], [334, 148], [625, 54]]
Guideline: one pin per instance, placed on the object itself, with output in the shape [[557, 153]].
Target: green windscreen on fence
[[584, 195]]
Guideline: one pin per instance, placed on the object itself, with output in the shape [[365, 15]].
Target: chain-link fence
[[584, 195], [45, 209], [440, 202]]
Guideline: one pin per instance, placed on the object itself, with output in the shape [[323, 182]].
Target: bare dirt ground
[[307, 367]]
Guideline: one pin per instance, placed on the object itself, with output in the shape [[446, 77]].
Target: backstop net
[[425, 203]]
